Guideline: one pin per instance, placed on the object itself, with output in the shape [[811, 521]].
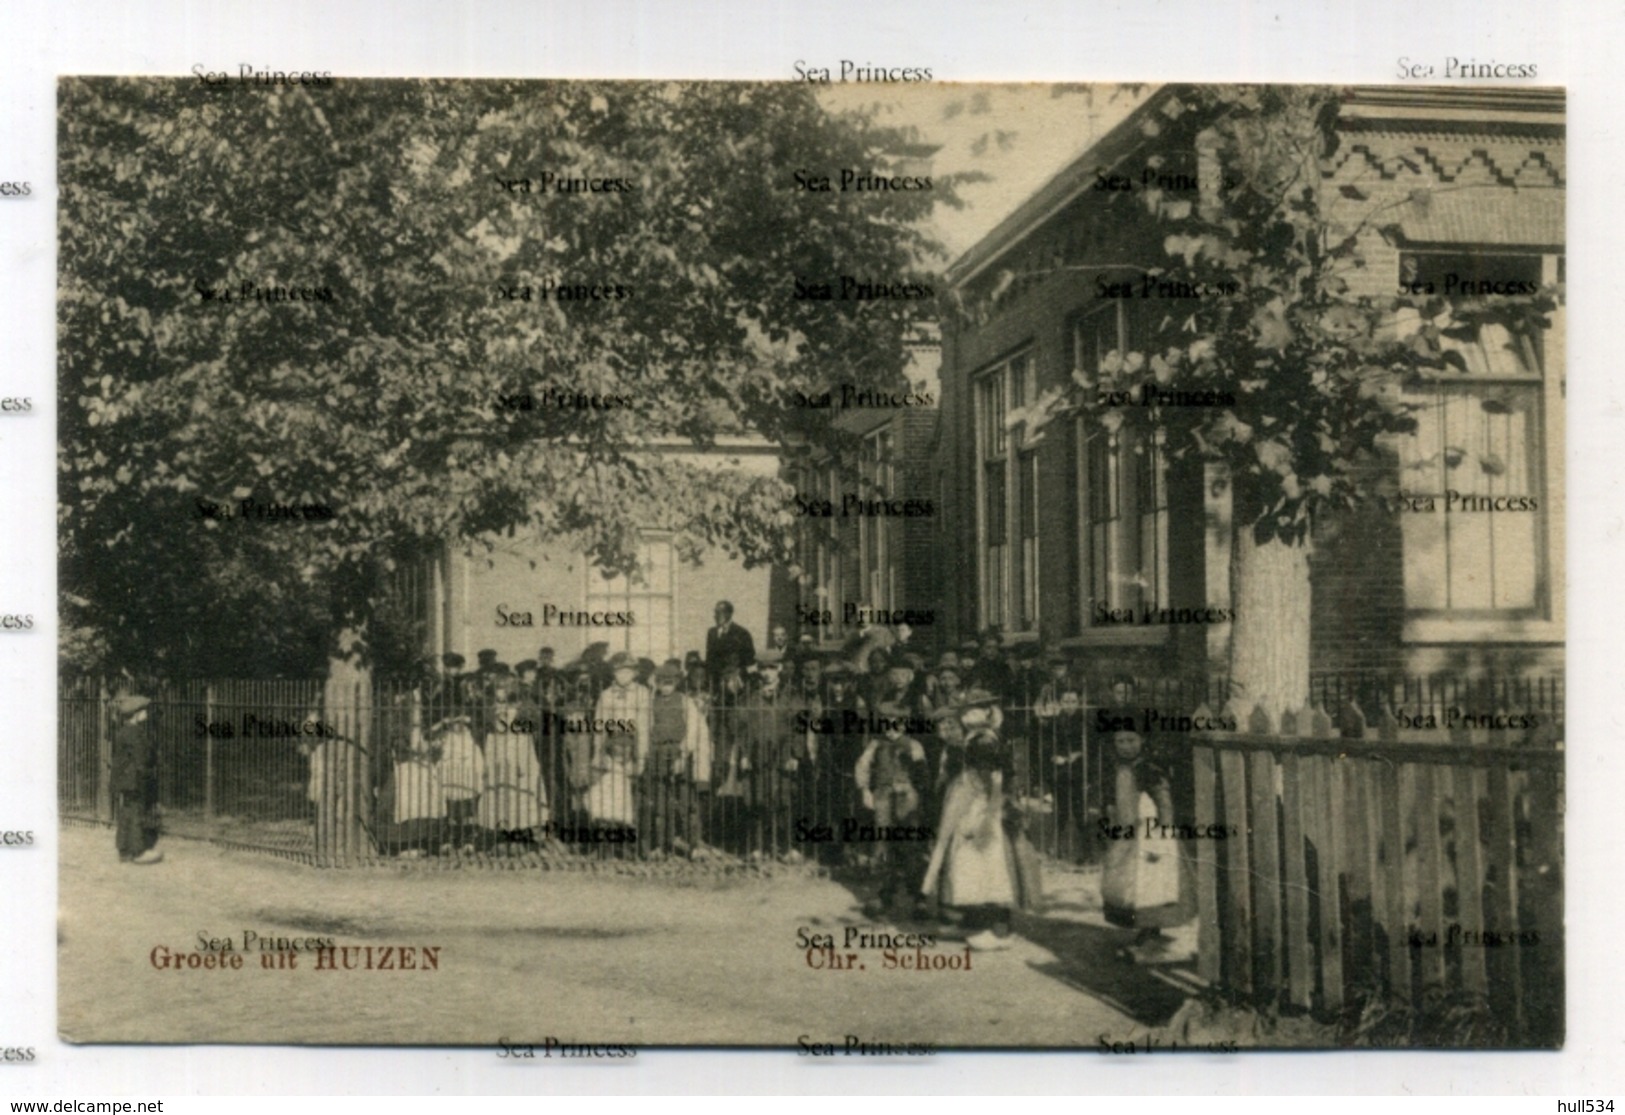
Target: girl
[[1146, 884], [974, 857]]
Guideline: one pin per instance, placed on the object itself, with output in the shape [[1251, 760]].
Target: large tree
[[1266, 310], [428, 219]]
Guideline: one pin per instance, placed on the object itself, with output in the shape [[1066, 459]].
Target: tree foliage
[[188, 405], [1256, 303]]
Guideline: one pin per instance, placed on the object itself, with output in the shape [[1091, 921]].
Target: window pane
[[1100, 566], [1029, 495], [994, 502], [1477, 547], [1516, 538], [1029, 581], [991, 397], [658, 567], [1461, 275], [656, 634], [1426, 563]]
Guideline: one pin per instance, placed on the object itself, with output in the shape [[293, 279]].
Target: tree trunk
[[1269, 641]]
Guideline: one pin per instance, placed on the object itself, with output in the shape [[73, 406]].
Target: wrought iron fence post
[[359, 843], [208, 762], [104, 755]]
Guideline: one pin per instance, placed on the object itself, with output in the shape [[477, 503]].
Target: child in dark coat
[[889, 773], [1147, 883]]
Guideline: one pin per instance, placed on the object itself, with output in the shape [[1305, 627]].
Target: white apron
[[513, 797], [972, 854]]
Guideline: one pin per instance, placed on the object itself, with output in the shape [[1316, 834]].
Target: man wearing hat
[[594, 663], [842, 707], [771, 752], [991, 671], [479, 692], [526, 696], [679, 757], [1061, 762], [817, 784], [447, 690], [810, 676], [135, 782], [545, 700], [545, 668], [489, 668]]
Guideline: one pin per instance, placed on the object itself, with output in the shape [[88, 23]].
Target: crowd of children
[[934, 777]]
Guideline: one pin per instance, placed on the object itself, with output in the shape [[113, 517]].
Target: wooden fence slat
[[1469, 881], [1411, 872], [104, 753], [1430, 878], [1265, 854], [1332, 929], [1375, 871], [1501, 897], [1299, 948], [1541, 910], [1394, 936], [1238, 874], [1359, 945], [1210, 943], [1314, 827]]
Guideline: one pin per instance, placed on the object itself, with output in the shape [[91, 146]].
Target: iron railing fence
[[443, 772]]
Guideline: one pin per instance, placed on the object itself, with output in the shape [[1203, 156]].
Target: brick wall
[[1487, 185]]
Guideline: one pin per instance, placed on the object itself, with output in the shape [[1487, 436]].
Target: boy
[[889, 773], [679, 753]]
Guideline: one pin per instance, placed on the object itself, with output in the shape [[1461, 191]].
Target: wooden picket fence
[[1368, 870]]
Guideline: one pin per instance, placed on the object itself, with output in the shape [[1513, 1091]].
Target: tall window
[[1027, 530], [876, 534], [649, 594], [820, 554], [1123, 490], [1472, 475], [1006, 511]]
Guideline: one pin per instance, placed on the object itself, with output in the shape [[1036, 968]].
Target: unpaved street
[[525, 955]]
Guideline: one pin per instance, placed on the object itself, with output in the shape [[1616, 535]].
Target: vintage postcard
[[860, 566]]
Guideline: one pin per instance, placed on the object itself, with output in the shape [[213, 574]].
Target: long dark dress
[[135, 784], [1148, 881]]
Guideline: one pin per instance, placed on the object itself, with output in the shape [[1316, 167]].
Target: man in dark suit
[[446, 694], [727, 644], [135, 782]]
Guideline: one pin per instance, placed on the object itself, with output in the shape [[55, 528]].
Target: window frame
[[637, 637], [1541, 376], [877, 573], [1004, 603], [1111, 520]]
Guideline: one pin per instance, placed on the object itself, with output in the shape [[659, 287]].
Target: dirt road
[[526, 955]]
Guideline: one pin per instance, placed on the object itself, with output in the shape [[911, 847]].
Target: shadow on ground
[[1086, 959], [1085, 950]]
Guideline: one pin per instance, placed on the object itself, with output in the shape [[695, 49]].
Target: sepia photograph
[[865, 566]]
